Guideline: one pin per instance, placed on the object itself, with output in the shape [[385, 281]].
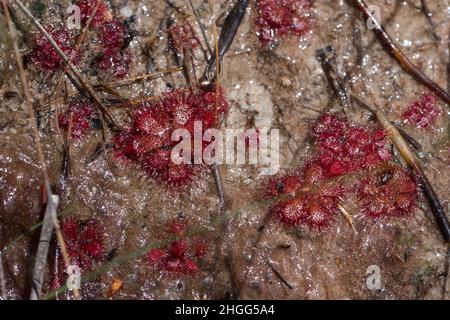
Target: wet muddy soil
[[250, 255]]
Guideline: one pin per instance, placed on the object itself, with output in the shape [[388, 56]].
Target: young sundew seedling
[[111, 57], [424, 112], [114, 57], [45, 57], [118, 63], [85, 246], [82, 113], [181, 256], [279, 18], [315, 209], [390, 192], [112, 35], [344, 147], [87, 8], [312, 195], [183, 37], [147, 140], [84, 242]]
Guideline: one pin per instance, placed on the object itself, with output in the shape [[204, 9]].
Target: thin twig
[[120, 83], [50, 218], [261, 232], [202, 28], [78, 44], [177, 9], [223, 206], [400, 139], [446, 273], [105, 113], [227, 35], [412, 161], [85, 29], [429, 16], [278, 274], [219, 188], [47, 228], [448, 62], [29, 99], [326, 57], [187, 70], [348, 217], [3, 293], [130, 103], [413, 142], [387, 21], [398, 55], [153, 75], [65, 168], [108, 89], [357, 39]]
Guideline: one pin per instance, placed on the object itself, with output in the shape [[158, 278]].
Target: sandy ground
[[264, 86]]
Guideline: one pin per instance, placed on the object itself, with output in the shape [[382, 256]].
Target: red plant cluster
[[147, 141], [283, 185], [181, 256], [44, 56], [87, 8], [423, 112], [85, 247], [114, 56], [278, 18], [344, 147], [183, 37], [114, 36], [82, 111], [391, 192], [84, 242], [310, 197], [315, 210]]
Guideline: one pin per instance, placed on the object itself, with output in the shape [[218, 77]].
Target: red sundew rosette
[[276, 19], [181, 256], [148, 143], [423, 112], [386, 194], [45, 57]]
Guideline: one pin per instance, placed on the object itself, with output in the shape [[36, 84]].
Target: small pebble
[[126, 12]]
